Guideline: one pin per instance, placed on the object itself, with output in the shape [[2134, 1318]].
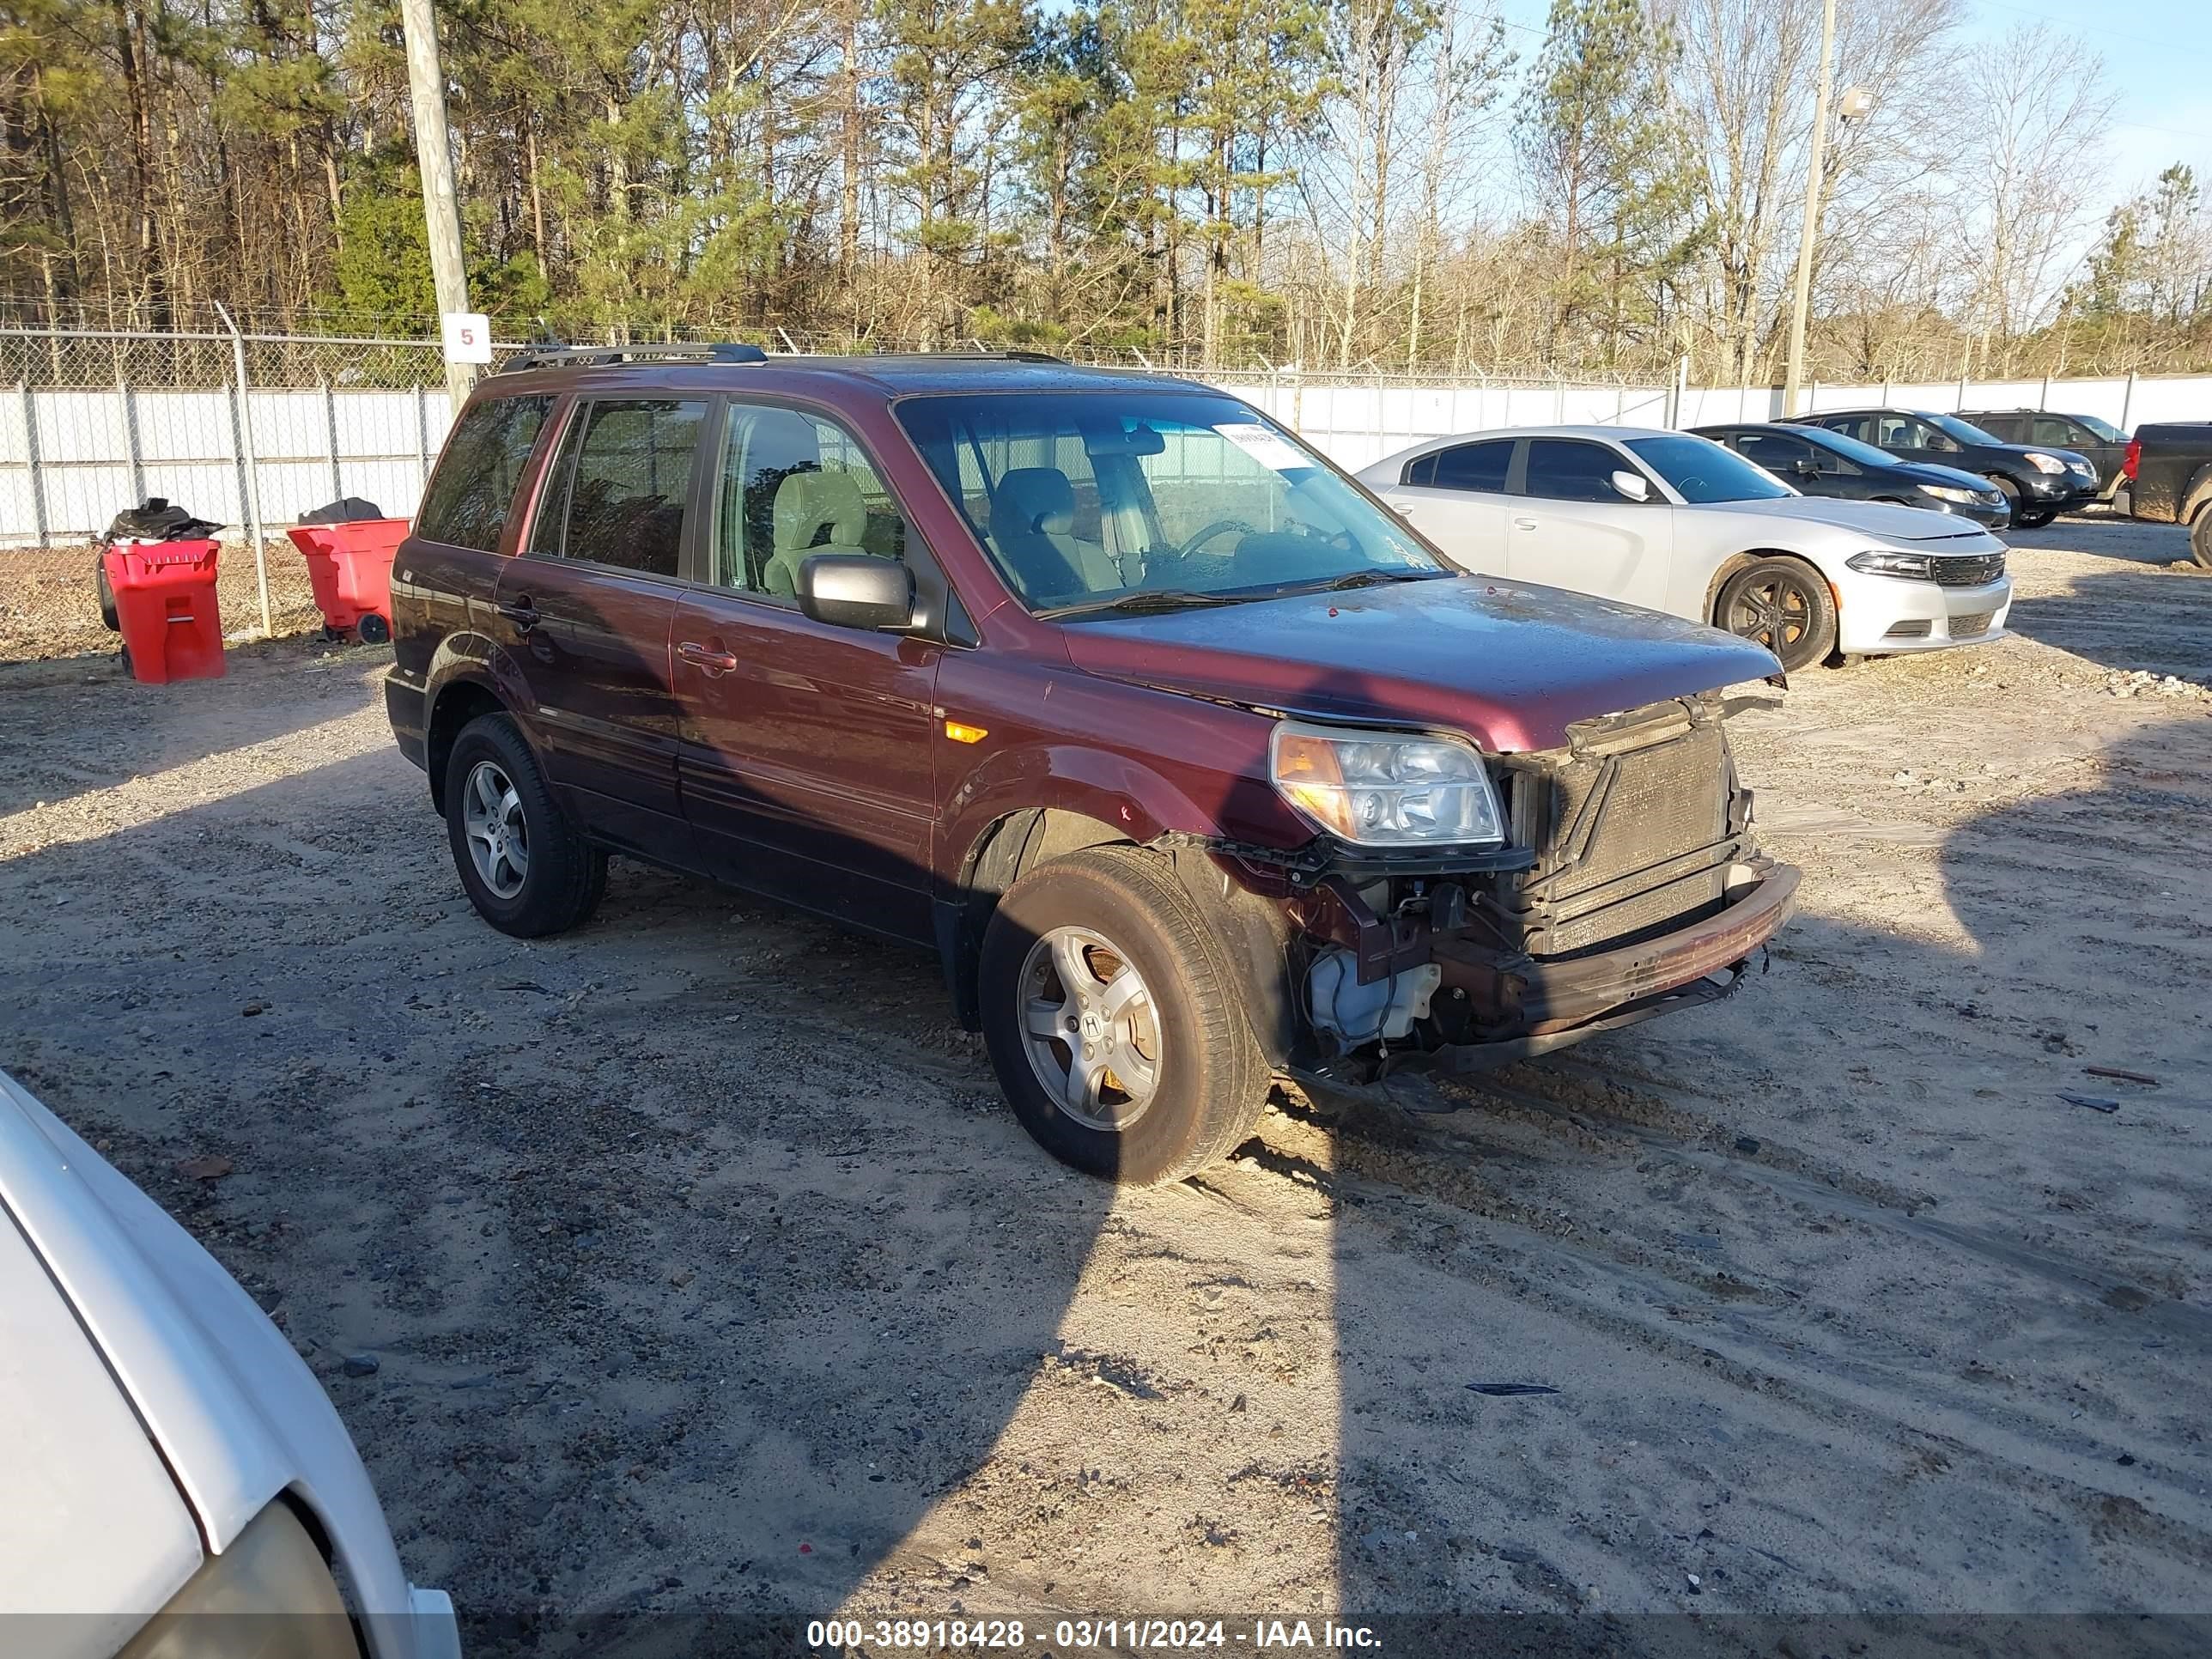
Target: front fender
[[1118, 790]]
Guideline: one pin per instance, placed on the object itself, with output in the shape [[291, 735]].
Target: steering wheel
[[1220, 526]]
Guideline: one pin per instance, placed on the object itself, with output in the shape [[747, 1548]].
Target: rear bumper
[[407, 705]]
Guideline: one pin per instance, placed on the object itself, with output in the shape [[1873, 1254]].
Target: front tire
[[1117, 1028], [2200, 536], [1783, 604], [521, 861]]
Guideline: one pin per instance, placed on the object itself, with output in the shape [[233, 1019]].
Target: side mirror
[[1807, 467], [1632, 486], [856, 590]]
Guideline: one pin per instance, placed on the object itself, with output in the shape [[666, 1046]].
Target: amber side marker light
[[960, 733]]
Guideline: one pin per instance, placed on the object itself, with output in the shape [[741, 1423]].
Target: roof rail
[[549, 356]]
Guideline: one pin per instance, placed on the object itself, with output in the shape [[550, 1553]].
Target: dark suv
[[2098, 441], [1192, 764], [2039, 482]]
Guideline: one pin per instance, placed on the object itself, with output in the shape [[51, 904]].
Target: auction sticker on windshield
[[1265, 447]]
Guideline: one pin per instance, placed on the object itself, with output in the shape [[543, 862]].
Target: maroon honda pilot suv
[[1193, 764]]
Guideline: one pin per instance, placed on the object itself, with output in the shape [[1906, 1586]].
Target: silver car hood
[[1915, 524]]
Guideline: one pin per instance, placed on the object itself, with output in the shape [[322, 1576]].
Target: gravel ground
[[705, 1268]]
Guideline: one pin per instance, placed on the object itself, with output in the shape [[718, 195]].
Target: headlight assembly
[[1880, 561], [2043, 462], [1386, 788], [1949, 492]]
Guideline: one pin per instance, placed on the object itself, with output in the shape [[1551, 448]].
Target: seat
[[807, 504], [1033, 524]]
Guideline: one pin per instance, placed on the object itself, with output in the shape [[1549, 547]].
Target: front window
[[1965, 431], [2104, 429], [1151, 499], [1701, 472]]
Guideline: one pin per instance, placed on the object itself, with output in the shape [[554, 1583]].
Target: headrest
[[805, 501], [1034, 500]]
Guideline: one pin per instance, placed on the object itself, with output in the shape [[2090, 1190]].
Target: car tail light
[[2134, 459]]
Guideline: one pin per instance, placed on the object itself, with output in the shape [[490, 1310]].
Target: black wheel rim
[[1777, 612]]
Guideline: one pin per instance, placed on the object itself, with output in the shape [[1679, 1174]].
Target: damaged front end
[[1627, 885]]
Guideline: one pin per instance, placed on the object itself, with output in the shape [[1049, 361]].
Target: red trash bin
[[349, 567], [165, 604]]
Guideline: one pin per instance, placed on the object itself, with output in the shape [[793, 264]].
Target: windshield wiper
[[1142, 600], [1369, 577]]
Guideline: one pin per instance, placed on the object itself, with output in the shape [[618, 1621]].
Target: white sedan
[[177, 1484], [1677, 523]]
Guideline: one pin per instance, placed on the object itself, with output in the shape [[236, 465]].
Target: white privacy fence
[[252, 431], [257, 430]]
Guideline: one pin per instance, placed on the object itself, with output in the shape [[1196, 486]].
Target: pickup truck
[[2169, 472]]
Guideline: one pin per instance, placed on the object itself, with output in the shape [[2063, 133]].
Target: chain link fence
[[250, 431]]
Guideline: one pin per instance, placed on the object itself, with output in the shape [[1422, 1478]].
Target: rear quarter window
[[472, 491]]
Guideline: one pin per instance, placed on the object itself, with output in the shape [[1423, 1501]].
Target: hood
[[236, 1415], [1510, 665], [1914, 524]]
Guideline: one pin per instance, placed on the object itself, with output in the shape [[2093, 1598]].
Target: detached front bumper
[[1550, 1004]]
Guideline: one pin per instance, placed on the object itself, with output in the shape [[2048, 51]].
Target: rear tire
[[524, 865], [1784, 604], [1197, 1081], [2200, 536]]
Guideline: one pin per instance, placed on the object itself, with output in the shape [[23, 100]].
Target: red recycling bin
[[165, 606], [349, 567]]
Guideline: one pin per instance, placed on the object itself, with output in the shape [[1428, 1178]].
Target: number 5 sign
[[468, 337]]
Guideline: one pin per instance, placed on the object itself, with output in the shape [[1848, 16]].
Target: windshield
[[1097, 500], [1965, 431], [1849, 447], [1701, 471], [2103, 428]]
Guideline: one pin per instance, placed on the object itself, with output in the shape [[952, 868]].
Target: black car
[[1823, 463], [2103, 444], [2041, 483]]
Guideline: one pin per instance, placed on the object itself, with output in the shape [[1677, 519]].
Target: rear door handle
[[520, 612], [1524, 523], [709, 661]]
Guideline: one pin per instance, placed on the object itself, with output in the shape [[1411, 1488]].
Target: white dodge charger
[[177, 1485], [1677, 523]]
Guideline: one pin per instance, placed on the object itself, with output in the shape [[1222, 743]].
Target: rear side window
[[1475, 466], [470, 494], [1852, 426], [1562, 469], [617, 490]]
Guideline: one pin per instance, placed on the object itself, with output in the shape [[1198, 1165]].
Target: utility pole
[[1810, 231], [433, 160]]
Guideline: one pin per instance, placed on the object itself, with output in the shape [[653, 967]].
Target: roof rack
[[549, 356]]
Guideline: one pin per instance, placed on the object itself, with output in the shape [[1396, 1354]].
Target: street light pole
[[1809, 232], [433, 160]]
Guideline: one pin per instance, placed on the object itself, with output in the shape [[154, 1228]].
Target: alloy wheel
[[1090, 1029], [1776, 613], [498, 833]]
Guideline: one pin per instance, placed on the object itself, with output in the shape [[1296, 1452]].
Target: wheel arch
[[452, 706], [1026, 838], [2196, 496], [1738, 562]]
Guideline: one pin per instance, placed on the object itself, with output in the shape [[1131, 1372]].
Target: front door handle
[[706, 660], [1524, 523], [520, 612]]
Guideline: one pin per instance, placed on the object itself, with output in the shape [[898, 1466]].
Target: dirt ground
[[705, 1268]]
